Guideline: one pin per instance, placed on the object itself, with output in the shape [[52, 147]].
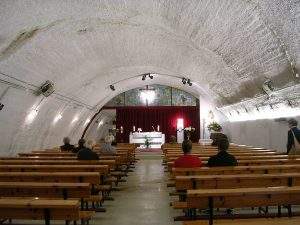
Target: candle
[[134, 128], [157, 127]]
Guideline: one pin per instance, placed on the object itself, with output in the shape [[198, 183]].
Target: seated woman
[[187, 160], [109, 146], [223, 158]]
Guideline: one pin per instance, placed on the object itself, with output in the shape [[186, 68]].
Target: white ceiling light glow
[[87, 121], [57, 118], [75, 119], [147, 96], [31, 116]]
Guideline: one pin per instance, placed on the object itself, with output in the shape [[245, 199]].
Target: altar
[[155, 139]]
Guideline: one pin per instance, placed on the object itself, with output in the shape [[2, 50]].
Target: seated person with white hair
[[109, 145], [67, 146], [86, 153]]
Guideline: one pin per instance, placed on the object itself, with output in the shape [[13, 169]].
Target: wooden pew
[[184, 183], [264, 169], [110, 163], [250, 157], [240, 198], [256, 221], [58, 177], [47, 210], [102, 169], [257, 162], [45, 190]]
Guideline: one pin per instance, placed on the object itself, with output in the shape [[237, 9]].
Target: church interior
[[150, 112]]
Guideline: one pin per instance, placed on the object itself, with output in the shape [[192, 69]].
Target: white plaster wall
[[260, 133], [205, 106], [17, 135], [100, 125]]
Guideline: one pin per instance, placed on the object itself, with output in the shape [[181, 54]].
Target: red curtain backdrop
[[164, 116]]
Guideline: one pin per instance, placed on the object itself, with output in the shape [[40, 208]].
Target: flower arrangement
[[214, 126], [190, 129], [147, 141]]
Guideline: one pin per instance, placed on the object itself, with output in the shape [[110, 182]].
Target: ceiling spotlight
[[189, 82], [150, 76], [238, 112], [257, 108], [112, 87], [183, 80], [271, 107], [1, 106], [144, 77], [246, 110]]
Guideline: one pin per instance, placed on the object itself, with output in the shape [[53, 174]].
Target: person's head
[[186, 146], [223, 144], [81, 143], [66, 140], [292, 123], [90, 144], [172, 139], [108, 139]]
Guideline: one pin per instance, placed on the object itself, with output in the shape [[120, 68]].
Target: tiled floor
[[143, 199]]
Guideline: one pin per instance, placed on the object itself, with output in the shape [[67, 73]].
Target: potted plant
[[214, 126]]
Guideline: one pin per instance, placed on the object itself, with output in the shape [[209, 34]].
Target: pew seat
[[256, 221], [40, 209]]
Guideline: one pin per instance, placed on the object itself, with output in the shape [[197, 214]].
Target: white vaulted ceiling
[[227, 47]]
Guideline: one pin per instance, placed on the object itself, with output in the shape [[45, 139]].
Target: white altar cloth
[[156, 139]]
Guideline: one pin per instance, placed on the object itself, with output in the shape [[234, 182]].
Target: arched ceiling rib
[[228, 47]]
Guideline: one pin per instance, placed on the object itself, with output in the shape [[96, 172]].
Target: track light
[[112, 87], [150, 76], [144, 77], [186, 81], [1, 106]]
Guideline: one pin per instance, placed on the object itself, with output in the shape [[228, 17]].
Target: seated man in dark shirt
[[67, 146], [85, 153], [216, 137], [223, 158], [187, 160]]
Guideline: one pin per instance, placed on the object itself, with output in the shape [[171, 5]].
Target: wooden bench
[[57, 177], [256, 162], [265, 169], [45, 190], [256, 221], [240, 198], [102, 169], [110, 163], [47, 210], [184, 183]]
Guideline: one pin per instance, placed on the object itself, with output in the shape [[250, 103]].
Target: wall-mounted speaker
[[46, 89]]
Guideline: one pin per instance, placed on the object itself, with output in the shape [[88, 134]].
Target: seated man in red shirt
[[187, 160]]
